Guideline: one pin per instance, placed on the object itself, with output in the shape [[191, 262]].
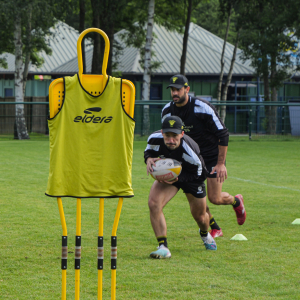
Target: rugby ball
[[166, 169]]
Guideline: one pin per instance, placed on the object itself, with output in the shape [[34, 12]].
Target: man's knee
[[155, 204], [222, 198], [214, 190], [215, 199], [199, 217], [202, 219], [152, 203]]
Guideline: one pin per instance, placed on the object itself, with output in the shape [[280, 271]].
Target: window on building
[[155, 91], [8, 93]]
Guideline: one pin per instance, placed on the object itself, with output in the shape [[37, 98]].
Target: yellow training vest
[[91, 144]]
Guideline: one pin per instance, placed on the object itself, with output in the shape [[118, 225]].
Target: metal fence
[[36, 111], [245, 118]]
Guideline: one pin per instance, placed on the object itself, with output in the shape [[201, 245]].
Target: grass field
[[264, 267]]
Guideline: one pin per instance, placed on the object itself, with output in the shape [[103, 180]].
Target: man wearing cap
[[202, 123], [171, 142]]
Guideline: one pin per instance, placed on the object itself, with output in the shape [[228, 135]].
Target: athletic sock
[[203, 233], [162, 240], [213, 224], [236, 202]]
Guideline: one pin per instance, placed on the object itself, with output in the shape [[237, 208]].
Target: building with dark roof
[[202, 62]]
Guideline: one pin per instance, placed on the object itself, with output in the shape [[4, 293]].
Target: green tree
[[81, 18], [25, 24], [227, 8], [269, 29], [82, 28], [227, 12], [106, 15], [147, 65], [6, 36], [189, 7], [208, 15]]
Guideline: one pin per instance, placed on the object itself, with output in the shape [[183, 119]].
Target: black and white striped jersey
[[202, 123], [188, 153]]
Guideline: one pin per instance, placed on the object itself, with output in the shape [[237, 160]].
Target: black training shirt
[[202, 123], [188, 153]]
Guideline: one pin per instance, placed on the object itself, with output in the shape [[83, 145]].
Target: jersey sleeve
[[193, 166], [207, 113], [153, 145], [166, 111]]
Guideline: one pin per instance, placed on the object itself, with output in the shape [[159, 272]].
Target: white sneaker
[[209, 242], [162, 252]]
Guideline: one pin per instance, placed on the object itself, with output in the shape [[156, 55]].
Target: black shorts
[[196, 188], [210, 163]]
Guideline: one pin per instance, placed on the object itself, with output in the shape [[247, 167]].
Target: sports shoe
[[162, 252], [216, 232], [209, 242], [240, 210]]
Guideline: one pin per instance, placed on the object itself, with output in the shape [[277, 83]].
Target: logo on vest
[[90, 110], [87, 118]]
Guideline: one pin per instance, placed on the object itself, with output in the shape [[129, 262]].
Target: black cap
[[172, 124], [178, 81]]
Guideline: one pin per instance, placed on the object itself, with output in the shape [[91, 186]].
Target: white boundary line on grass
[[270, 185]]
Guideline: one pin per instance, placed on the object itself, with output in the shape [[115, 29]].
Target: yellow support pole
[[117, 217], [64, 250], [100, 248], [78, 250], [114, 250], [62, 217]]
